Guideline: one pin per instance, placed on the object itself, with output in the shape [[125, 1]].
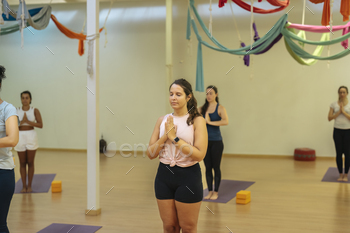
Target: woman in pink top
[[180, 139]]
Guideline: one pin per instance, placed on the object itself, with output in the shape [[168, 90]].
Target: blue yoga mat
[[41, 183], [228, 190], [64, 228]]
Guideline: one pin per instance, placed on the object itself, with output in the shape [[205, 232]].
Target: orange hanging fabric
[[326, 15], [70, 34], [345, 9]]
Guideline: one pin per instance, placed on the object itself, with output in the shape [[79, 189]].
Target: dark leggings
[[212, 161], [342, 146], [7, 188]]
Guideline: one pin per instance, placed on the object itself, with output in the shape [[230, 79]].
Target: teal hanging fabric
[[257, 47], [199, 73], [188, 31]]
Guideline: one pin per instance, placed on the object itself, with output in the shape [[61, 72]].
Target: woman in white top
[[8, 139], [340, 112], [28, 141], [180, 139]]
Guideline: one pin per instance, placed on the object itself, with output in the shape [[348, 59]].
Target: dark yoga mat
[[65, 228], [41, 183], [228, 190], [332, 175]]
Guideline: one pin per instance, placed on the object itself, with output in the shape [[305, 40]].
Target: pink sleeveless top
[[171, 154]]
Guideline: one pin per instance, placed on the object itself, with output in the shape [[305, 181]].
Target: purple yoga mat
[[228, 190], [41, 183], [332, 175], [64, 228]]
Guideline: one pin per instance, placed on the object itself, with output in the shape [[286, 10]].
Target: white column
[[169, 49], [93, 130]]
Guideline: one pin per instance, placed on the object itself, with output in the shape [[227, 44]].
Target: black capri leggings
[[7, 188], [183, 184], [342, 146], [212, 161]]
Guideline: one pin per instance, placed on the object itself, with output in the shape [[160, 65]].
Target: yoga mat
[[332, 175], [41, 183], [65, 228], [228, 190]]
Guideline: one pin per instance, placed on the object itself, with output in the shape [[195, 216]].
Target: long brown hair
[[192, 103], [2, 74], [204, 108]]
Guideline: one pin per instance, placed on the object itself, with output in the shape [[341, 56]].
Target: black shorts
[[183, 184]]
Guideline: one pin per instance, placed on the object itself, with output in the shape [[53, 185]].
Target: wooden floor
[[288, 196]]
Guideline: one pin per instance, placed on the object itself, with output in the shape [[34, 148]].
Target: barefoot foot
[[345, 177], [214, 196], [24, 190], [29, 190], [340, 177], [209, 195]]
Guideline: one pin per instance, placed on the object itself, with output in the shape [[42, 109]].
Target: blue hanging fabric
[[32, 12], [6, 8]]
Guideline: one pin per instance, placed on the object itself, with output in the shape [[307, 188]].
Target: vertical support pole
[[93, 130]]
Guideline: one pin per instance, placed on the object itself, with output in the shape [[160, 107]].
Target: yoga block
[[56, 186], [243, 201], [243, 194], [304, 154]]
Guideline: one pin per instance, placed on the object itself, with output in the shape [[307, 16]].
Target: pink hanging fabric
[[319, 29], [323, 29]]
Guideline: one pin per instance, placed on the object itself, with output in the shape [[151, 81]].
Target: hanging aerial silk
[[282, 5], [290, 36], [257, 47], [38, 20], [32, 12], [318, 51], [322, 29], [326, 15], [80, 36]]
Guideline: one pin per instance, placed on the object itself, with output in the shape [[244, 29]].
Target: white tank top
[[341, 122], [171, 154], [29, 113]]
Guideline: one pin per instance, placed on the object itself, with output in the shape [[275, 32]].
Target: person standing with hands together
[[180, 139], [215, 116], [340, 113], [28, 141]]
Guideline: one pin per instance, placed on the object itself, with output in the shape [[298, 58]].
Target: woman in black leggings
[[215, 116], [340, 112], [8, 138]]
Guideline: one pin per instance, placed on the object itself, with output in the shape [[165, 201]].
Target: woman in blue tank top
[[215, 116]]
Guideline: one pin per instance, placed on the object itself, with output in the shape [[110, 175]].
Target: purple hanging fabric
[[272, 44], [256, 36], [246, 58]]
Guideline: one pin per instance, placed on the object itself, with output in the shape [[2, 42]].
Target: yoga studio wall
[[274, 105]]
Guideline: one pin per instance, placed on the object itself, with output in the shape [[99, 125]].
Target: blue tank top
[[214, 133]]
